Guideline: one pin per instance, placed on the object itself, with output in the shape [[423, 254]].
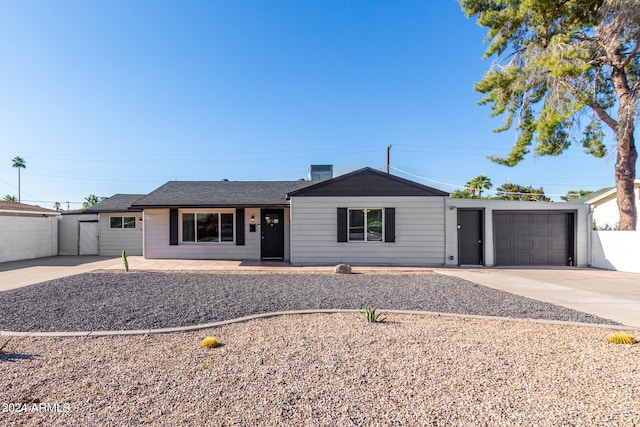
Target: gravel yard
[[328, 370], [149, 300]]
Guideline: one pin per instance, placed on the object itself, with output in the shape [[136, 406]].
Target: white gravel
[[326, 370]]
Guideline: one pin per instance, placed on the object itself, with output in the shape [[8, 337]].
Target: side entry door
[[470, 237]]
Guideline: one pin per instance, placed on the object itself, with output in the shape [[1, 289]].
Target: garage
[[534, 237]]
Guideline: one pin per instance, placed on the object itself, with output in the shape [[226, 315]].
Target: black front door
[[470, 231], [272, 229]]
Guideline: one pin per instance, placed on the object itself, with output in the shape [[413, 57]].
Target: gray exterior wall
[[156, 238], [582, 226], [420, 237], [27, 237], [114, 241]]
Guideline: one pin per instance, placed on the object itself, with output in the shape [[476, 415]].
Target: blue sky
[[105, 97]]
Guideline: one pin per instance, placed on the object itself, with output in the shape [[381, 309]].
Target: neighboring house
[[363, 217], [605, 206], [118, 227], [27, 231]]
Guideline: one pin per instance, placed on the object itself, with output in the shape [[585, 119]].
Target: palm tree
[[10, 198], [19, 163], [479, 183], [91, 200], [56, 206]]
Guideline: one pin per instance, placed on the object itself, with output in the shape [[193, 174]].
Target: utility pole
[[388, 156]]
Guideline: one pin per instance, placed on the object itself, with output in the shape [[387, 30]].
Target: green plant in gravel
[[371, 316], [124, 260], [4, 345]]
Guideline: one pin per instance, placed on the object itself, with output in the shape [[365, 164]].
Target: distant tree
[[574, 194], [557, 60], [518, 192], [10, 198], [56, 206], [91, 200], [462, 194], [19, 163], [477, 184]]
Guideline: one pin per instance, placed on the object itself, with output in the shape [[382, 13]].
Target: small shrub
[[371, 316], [4, 344], [209, 342], [621, 338], [124, 260]]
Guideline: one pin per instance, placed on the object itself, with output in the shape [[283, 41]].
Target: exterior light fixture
[[253, 218]]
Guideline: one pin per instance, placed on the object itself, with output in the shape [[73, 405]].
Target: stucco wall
[[489, 206], [27, 237], [616, 250]]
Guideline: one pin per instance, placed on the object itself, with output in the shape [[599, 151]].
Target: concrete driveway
[[613, 295], [610, 294]]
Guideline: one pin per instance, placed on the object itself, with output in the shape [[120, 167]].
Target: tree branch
[[633, 53], [604, 116]]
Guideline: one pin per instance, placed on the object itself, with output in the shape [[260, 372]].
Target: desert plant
[[4, 345], [621, 338], [371, 316], [124, 260], [209, 342]]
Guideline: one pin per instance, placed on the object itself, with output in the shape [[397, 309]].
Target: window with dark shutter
[[240, 227], [390, 225], [342, 224], [173, 226]]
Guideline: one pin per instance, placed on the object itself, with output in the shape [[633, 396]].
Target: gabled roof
[[16, 207], [115, 203], [220, 194], [367, 182], [602, 195]]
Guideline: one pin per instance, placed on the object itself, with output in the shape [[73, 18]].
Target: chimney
[[320, 172]]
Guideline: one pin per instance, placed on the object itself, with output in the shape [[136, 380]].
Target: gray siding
[[420, 236], [114, 241]]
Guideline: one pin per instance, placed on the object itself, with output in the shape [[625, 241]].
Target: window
[[206, 227], [365, 225], [122, 222]]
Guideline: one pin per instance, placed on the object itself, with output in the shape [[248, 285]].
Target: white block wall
[[27, 237]]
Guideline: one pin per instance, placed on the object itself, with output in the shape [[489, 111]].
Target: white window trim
[[207, 211], [122, 217], [365, 225]]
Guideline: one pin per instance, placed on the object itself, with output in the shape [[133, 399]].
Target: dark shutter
[[240, 227], [173, 226], [390, 225], [342, 224]]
